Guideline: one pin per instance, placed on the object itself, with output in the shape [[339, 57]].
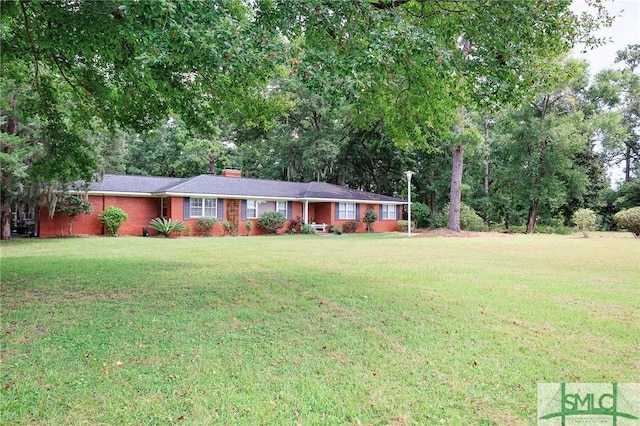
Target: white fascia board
[[338, 200], [227, 197], [119, 194]]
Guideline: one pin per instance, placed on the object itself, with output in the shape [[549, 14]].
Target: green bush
[[629, 219], [205, 225], [420, 215], [249, 226], [305, 228], [167, 227], [370, 217], [226, 226], [271, 221], [585, 219], [469, 219], [337, 230], [350, 227], [112, 218]]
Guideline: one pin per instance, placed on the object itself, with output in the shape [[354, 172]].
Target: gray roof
[[232, 187]]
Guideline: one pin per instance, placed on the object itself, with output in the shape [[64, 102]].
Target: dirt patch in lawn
[[443, 232]]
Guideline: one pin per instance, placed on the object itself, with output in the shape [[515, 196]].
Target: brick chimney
[[232, 173]]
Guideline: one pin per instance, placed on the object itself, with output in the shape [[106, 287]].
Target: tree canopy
[[352, 92]]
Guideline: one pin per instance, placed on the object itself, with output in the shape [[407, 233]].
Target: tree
[[128, 63], [585, 219], [619, 90], [73, 205], [414, 63], [370, 217], [461, 139]]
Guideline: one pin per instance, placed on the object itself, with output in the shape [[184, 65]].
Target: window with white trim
[[252, 209], [346, 211], [388, 212], [203, 207], [256, 208], [281, 206]]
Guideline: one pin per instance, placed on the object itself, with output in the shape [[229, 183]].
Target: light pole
[[409, 174]]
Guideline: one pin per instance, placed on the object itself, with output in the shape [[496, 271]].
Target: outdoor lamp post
[[409, 174]]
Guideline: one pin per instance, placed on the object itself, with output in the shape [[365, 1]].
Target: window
[[346, 211], [256, 208], [281, 206], [164, 207], [252, 209], [203, 207], [388, 212]]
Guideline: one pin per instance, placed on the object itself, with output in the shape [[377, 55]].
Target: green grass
[[359, 329]]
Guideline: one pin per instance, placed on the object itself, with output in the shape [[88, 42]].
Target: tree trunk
[[5, 213], [533, 213], [456, 181], [431, 202], [70, 225], [212, 164], [627, 164], [6, 219]]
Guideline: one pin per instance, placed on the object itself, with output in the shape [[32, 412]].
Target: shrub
[[350, 227], [112, 218], [469, 219], [337, 230], [271, 221], [205, 225], [305, 228], [420, 215], [226, 226], [167, 226], [585, 219], [370, 217], [249, 226], [295, 226], [629, 219], [403, 225]]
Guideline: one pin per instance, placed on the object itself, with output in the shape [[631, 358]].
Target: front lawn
[[357, 329]]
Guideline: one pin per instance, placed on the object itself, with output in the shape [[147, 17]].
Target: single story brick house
[[227, 197]]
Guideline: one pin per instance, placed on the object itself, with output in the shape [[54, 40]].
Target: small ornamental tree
[[370, 217], [585, 219], [112, 218], [629, 219], [271, 221], [73, 205]]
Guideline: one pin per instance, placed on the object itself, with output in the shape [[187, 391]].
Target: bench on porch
[[319, 226]]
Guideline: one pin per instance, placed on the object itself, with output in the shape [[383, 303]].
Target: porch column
[[305, 212]]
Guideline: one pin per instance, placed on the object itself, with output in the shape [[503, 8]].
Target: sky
[[624, 31]]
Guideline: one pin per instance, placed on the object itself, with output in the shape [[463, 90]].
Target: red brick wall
[[323, 213], [139, 211], [389, 225]]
